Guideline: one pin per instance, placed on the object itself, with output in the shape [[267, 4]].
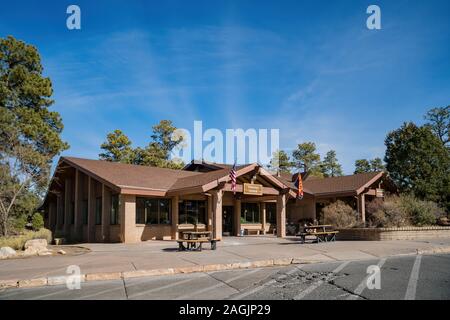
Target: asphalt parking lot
[[407, 277]]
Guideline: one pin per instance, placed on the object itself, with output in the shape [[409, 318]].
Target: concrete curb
[[434, 250], [102, 276], [61, 280]]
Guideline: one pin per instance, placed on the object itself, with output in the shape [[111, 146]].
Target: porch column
[[217, 215], [210, 214], [263, 216], [281, 215], [91, 210], [106, 212], [128, 218], [78, 223], [175, 217], [237, 216], [361, 204]]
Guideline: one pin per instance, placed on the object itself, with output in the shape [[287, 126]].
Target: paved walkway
[[150, 255]]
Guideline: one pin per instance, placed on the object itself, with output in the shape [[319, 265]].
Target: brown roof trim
[[371, 181], [143, 192], [89, 173], [350, 193]]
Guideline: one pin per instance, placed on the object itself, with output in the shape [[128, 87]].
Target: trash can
[[241, 233]]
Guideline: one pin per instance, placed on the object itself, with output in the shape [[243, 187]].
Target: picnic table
[[194, 240], [321, 232]]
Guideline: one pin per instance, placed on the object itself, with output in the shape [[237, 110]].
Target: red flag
[[299, 185], [233, 178]]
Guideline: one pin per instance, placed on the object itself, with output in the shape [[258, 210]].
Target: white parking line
[[317, 284], [412, 284], [360, 288], [218, 285], [161, 288]]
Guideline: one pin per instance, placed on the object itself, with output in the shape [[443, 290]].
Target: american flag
[[299, 185], [233, 178]]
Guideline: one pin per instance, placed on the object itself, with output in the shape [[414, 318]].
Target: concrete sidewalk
[[116, 261]]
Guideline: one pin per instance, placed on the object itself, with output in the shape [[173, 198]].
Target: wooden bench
[[323, 236], [196, 244], [250, 228]]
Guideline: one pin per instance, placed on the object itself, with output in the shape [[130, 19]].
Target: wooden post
[[210, 214], [67, 206], [361, 203], [78, 221], [217, 215], [263, 216], [281, 215], [59, 213], [91, 210], [106, 212], [52, 212], [175, 217], [237, 216]]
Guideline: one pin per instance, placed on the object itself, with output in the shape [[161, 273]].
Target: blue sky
[[310, 68]]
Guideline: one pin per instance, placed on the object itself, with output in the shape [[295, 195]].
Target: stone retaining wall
[[404, 233]]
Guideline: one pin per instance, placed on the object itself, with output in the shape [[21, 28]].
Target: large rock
[[7, 252], [36, 247], [36, 243]]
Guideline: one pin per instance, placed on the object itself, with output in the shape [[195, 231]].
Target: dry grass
[[18, 242]]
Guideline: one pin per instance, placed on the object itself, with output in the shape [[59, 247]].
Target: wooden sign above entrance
[[253, 189]]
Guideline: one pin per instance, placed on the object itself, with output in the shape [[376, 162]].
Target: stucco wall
[[301, 209]]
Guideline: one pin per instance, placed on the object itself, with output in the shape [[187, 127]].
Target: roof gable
[[344, 184]]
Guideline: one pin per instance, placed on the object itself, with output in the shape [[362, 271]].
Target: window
[[140, 210], [153, 211], [192, 212], [84, 207], [249, 212], [98, 210], [271, 213], [114, 209]]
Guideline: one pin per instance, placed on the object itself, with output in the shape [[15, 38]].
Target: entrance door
[[227, 218]]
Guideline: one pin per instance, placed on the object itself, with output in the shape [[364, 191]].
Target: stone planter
[[404, 233]]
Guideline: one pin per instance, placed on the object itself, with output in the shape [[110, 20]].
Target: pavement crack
[[333, 283], [125, 288], [236, 254], [224, 282]]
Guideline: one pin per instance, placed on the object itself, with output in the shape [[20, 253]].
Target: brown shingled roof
[[203, 178], [352, 183], [128, 175]]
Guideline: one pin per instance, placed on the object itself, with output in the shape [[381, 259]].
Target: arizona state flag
[[299, 185]]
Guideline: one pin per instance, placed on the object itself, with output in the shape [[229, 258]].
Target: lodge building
[[101, 201]]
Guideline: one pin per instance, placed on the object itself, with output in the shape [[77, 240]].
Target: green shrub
[[400, 211], [43, 234], [421, 212], [18, 242], [37, 221], [19, 223], [340, 215], [388, 213]]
